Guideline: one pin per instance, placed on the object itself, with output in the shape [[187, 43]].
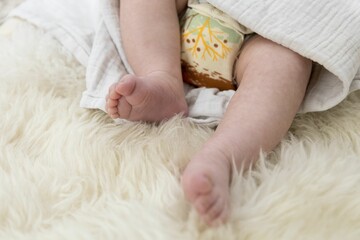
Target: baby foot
[[154, 97], [206, 182]]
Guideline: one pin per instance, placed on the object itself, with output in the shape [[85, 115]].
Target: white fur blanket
[[70, 173]]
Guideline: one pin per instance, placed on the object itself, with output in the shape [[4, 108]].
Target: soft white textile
[[325, 31], [89, 29]]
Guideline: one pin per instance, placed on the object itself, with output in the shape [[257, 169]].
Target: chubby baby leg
[[272, 83], [155, 92]]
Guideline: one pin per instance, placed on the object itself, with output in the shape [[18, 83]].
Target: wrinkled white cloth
[[89, 29], [326, 31]]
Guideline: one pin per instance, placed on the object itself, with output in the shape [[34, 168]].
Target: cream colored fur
[[71, 173], [6, 6]]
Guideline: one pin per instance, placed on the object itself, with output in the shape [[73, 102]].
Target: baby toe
[[124, 109], [112, 103], [204, 203], [112, 110], [215, 211], [195, 185], [114, 95], [114, 116]]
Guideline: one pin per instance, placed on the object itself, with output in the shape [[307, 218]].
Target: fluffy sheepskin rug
[[6, 6], [71, 173]]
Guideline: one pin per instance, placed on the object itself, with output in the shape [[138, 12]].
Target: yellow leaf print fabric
[[211, 41]]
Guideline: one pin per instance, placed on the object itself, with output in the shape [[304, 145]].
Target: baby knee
[[266, 53]]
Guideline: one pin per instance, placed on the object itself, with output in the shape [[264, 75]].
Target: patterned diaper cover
[[211, 41]]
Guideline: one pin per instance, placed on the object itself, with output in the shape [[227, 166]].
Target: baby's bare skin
[[153, 98], [155, 92], [272, 82]]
